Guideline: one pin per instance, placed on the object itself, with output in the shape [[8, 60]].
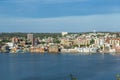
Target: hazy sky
[[59, 15]]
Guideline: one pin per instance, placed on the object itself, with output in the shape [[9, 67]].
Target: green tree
[[92, 41]]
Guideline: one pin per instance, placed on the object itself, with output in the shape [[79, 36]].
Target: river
[[27, 66]]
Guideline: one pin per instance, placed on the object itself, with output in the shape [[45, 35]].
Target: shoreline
[[82, 53]]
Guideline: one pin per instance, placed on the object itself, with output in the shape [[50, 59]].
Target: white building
[[11, 45], [64, 33]]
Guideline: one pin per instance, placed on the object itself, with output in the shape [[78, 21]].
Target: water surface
[[58, 66]]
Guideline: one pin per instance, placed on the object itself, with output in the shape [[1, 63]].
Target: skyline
[[59, 16]]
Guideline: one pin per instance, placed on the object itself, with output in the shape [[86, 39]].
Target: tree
[[92, 41]]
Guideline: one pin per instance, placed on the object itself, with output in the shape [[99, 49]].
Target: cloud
[[57, 8], [107, 22]]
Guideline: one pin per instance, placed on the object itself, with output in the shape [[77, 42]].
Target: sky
[[59, 15]]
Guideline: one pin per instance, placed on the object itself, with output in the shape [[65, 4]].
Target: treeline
[[40, 35]]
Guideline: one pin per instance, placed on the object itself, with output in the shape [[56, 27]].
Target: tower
[[30, 38]]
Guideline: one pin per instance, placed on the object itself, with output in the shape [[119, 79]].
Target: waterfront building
[[114, 41], [5, 48], [10, 44], [53, 48], [69, 50], [37, 50]]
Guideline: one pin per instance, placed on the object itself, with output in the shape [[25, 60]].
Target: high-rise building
[[30, 37]]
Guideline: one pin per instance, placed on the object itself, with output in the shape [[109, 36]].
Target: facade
[[37, 50], [15, 40], [53, 48], [30, 38]]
